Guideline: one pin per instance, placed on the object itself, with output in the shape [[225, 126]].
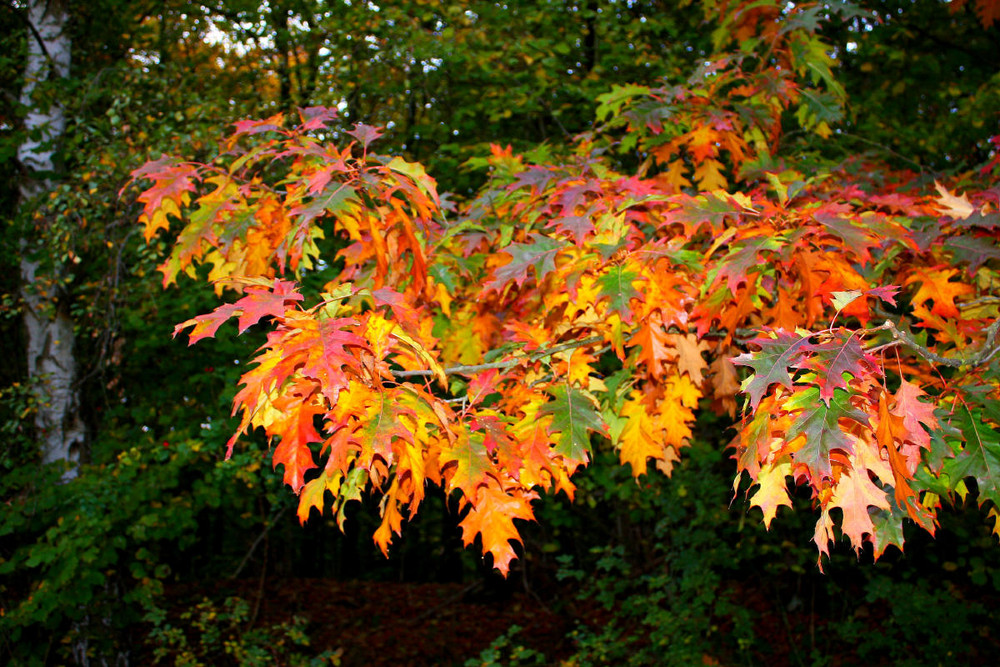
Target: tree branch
[[253, 547], [502, 365], [901, 336], [34, 32]]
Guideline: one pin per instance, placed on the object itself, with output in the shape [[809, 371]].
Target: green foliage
[[684, 581], [18, 458], [669, 600], [506, 651], [913, 614], [214, 634], [81, 559], [922, 80]]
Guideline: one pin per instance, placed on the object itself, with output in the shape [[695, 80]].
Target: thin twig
[[256, 543], [446, 603], [502, 365]]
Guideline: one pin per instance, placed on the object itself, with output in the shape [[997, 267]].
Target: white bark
[[50, 351]]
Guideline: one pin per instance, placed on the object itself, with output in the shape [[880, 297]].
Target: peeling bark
[[50, 347]]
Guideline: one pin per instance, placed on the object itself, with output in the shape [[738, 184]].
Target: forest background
[[127, 535]]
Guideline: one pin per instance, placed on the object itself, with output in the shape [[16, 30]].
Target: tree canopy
[[699, 248], [478, 255]]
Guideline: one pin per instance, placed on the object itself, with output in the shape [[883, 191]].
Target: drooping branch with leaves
[[844, 315]]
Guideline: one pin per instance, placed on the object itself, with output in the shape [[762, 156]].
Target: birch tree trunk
[[51, 360]]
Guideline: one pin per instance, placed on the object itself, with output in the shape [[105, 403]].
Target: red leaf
[[259, 302]]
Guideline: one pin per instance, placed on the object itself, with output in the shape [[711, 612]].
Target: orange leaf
[[689, 359], [295, 428], [655, 347], [854, 494], [392, 520], [934, 286], [889, 431], [492, 516]]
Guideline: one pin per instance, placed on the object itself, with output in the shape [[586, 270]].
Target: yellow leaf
[[313, 493], [675, 175], [427, 357], [684, 390], [773, 490], [709, 176], [640, 439]]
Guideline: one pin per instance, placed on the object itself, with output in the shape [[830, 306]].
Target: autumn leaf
[[259, 302], [854, 494], [639, 437], [676, 174], [297, 412], [833, 359], [416, 172], [689, 360], [890, 434], [818, 428], [953, 206], [312, 495], [617, 287], [392, 518], [777, 354], [173, 183], [366, 134], [708, 175], [465, 463], [382, 422], [520, 301], [578, 227], [491, 515], [540, 255], [917, 415], [773, 490], [655, 346], [935, 287], [973, 250]]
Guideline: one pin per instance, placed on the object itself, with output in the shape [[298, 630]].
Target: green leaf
[[842, 300], [472, 463], [980, 458], [574, 413], [821, 426], [540, 255], [337, 197], [611, 103], [416, 172], [771, 363], [616, 286]]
